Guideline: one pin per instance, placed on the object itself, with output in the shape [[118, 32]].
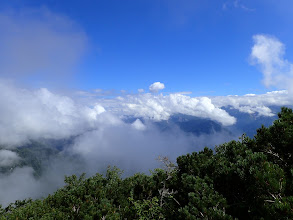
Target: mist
[[98, 139]]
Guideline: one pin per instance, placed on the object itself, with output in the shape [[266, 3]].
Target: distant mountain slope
[[36, 155], [249, 123], [40, 155], [246, 123], [191, 124]]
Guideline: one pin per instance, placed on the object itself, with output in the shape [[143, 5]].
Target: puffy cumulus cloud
[[40, 43], [156, 87], [33, 114], [8, 158], [160, 107], [255, 104], [268, 52]]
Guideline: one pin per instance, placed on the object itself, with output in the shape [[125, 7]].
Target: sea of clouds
[[36, 49]]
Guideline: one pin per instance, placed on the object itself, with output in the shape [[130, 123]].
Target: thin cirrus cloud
[[236, 4]]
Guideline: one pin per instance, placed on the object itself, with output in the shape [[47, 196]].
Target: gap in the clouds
[[190, 124], [249, 123]]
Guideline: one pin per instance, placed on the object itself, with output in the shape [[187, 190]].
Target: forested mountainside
[[246, 179], [38, 155], [35, 155]]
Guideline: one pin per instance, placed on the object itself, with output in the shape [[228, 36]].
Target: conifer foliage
[[245, 179]]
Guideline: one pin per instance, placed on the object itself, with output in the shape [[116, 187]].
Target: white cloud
[[8, 158], [252, 103], [236, 4], [249, 94], [20, 184], [156, 87], [184, 93], [239, 4], [137, 124], [268, 53], [160, 107], [32, 114]]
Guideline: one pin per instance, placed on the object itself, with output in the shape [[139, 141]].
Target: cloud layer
[[161, 107], [27, 114], [254, 104]]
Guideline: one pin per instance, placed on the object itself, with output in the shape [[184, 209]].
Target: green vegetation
[[245, 179]]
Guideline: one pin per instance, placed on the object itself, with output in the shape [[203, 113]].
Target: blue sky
[[190, 45]]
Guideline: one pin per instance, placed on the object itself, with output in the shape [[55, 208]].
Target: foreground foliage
[[246, 179]]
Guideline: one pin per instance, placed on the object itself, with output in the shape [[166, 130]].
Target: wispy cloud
[[39, 43], [236, 4], [268, 53]]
